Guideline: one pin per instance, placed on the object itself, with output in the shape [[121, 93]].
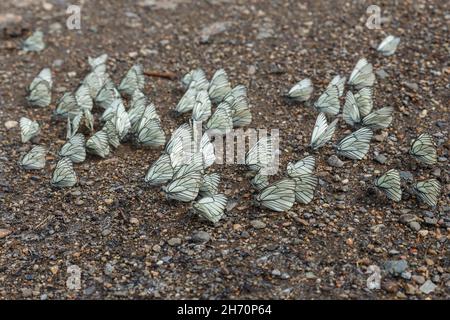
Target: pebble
[[201, 236], [11, 124], [411, 85], [382, 74], [334, 161], [396, 267], [4, 233], [258, 224], [407, 218], [390, 286], [134, 221], [418, 279], [276, 272], [430, 221], [406, 175], [406, 275], [414, 225], [381, 158], [213, 29], [174, 242], [156, 248], [428, 287], [310, 275]]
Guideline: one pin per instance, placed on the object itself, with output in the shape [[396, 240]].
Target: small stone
[[382, 74], [428, 287], [380, 137], [213, 29], [11, 124], [133, 54], [410, 289], [27, 292], [390, 286], [201, 236], [381, 158], [276, 272], [58, 63], [4, 233], [396, 267], [109, 269], [418, 279], [258, 224], [407, 218], [156, 248], [309, 275], [54, 269], [406, 175], [174, 242], [436, 172], [134, 221], [412, 85], [406, 275], [109, 201], [414, 225], [430, 221], [334, 161]]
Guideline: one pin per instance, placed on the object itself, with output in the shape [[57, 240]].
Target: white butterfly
[[328, 102], [202, 107], [34, 159], [95, 81], [73, 125], [119, 117], [64, 175], [74, 149], [107, 94], [379, 119], [28, 129], [356, 145], [364, 101], [423, 149], [133, 80], [207, 150], [211, 208], [40, 89], [111, 132], [149, 131], [241, 114], [322, 132], [44, 75], [350, 113], [210, 184], [35, 42], [300, 168], [184, 186], [279, 196], [220, 123], [305, 185], [196, 79], [428, 191], [97, 61], [388, 46], [98, 144], [301, 91], [389, 183], [67, 105], [260, 181], [362, 75], [137, 107], [261, 155], [195, 164], [83, 97], [160, 172], [339, 83], [219, 86], [181, 140], [187, 101]]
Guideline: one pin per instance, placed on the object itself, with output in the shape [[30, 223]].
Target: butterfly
[[64, 175], [210, 184], [301, 91], [44, 75], [34, 159], [97, 61], [35, 42], [180, 146], [328, 102], [40, 89], [261, 155], [207, 150], [202, 107], [300, 168], [423, 149], [83, 97], [428, 191], [388, 46], [95, 80], [137, 107], [160, 172], [260, 181], [149, 131], [187, 101], [339, 83], [111, 132], [219, 123], [195, 79], [98, 144], [379, 119], [119, 117], [28, 129], [389, 183], [236, 104], [134, 79], [185, 185], [107, 94], [211, 208], [74, 149], [362, 75], [305, 185], [67, 106], [219, 86], [278, 196], [322, 132], [356, 145]]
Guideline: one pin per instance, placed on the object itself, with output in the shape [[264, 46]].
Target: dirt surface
[[129, 242]]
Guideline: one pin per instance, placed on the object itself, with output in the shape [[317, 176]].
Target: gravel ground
[[128, 242]]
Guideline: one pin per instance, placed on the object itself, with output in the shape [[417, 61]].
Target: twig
[[166, 75]]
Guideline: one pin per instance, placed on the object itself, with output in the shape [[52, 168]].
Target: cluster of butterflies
[[423, 149], [182, 166], [140, 123]]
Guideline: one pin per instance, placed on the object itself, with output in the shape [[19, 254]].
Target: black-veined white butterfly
[[302, 167], [74, 149], [133, 80], [322, 132], [119, 117], [149, 132], [184, 186], [350, 113], [339, 83], [34, 159], [187, 101], [107, 94], [35, 42], [40, 89], [305, 185], [160, 172], [428, 191], [207, 150], [64, 175], [97, 61], [111, 132], [28, 129], [195, 79], [219, 86], [356, 145], [98, 144], [137, 107], [67, 105], [379, 119], [423, 149], [261, 155], [219, 123], [181, 140], [279, 196], [210, 184], [195, 164], [95, 80], [388, 46], [260, 181], [362, 75], [202, 107], [389, 183], [83, 97], [328, 102], [364, 101], [301, 91], [211, 208]]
